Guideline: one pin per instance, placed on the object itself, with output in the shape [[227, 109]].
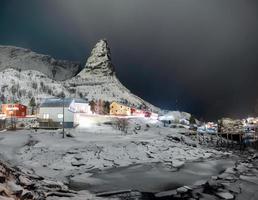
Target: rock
[[225, 184], [230, 170], [178, 164], [2, 169], [174, 138], [235, 188], [54, 185], [182, 190], [77, 164], [225, 195], [252, 179], [6, 198], [99, 61], [4, 191], [78, 157], [190, 143], [255, 156], [223, 176], [72, 152], [241, 168], [2, 178], [60, 194], [26, 195], [68, 134], [204, 196], [166, 194], [14, 187], [212, 184], [230, 178], [200, 182], [25, 181]]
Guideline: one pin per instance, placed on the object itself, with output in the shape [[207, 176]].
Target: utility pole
[[63, 119]]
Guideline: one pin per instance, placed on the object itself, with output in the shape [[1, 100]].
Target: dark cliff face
[[99, 62], [24, 59]]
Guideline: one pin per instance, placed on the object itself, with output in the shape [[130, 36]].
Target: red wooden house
[[147, 114], [14, 110], [137, 113]]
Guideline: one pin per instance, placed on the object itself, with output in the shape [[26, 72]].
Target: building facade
[[137, 113], [14, 110], [51, 112], [119, 109]]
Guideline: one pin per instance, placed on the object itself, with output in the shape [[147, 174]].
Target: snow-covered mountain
[[98, 80], [24, 59], [25, 74]]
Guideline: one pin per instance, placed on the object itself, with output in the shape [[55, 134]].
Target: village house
[[119, 109], [50, 113], [137, 113], [14, 110]]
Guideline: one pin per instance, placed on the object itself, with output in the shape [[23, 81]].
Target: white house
[[50, 113]]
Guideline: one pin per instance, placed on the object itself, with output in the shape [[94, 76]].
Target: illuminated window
[[60, 116], [45, 116]]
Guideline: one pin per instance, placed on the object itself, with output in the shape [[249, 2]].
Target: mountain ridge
[[97, 80], [24, 59]]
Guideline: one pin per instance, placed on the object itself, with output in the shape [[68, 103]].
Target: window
[[45, 116]]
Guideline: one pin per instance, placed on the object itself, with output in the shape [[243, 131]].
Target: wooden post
[[63, 119], [217, 136], [232, 143], [227, 139], [240, 145], [241, 141]]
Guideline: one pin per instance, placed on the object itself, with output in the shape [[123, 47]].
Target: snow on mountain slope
[[99, 63], [96, 81], [23, 85], [24, 59]]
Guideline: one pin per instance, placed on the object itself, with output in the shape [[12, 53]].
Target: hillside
[[21, 82], [25, 59], [98, 80]]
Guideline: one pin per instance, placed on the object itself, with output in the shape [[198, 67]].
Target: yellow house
[[119, 109]]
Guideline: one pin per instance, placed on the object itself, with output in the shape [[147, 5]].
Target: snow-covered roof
[[58, 102]]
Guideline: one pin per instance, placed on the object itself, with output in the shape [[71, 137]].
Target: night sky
[[197, 56]]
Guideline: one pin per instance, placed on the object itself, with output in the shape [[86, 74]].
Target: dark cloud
[[199, 56]]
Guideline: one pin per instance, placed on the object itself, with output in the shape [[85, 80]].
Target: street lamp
[[63, 119]]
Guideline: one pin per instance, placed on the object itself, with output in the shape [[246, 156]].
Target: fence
[[232, 140]]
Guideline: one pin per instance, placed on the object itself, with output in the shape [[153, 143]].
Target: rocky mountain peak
[[99, 62]]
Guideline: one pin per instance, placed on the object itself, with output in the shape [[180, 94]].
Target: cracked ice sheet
[[98, 147]]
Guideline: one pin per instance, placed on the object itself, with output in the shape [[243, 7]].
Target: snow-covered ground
[[99, 146]]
